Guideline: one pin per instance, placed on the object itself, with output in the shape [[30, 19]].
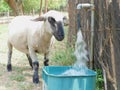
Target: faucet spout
[[84, 5]]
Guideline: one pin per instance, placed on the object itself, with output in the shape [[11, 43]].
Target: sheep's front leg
[[46, 59], [35, 71], [29, 59], [9, 66], [35, 65]]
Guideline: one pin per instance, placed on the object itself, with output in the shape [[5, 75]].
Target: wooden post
[[72, 33]]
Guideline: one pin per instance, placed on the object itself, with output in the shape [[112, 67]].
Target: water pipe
[[84, 5], [88, 5], [92, 34]]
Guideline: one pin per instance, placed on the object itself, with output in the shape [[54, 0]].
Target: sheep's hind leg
[[30, 60], [9, 66], [46, 60]]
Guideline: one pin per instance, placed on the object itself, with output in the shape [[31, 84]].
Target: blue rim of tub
[[93, 74]]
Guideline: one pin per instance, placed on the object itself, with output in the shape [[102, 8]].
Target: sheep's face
[[57, 28], [53, 27]]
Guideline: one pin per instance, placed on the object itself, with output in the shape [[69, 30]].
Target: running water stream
[[80, 65]]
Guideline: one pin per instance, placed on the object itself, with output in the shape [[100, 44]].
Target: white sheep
[[32, 36]]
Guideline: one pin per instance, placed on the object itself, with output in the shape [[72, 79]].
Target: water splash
[[80, 66], [80, 52], [75, 72]]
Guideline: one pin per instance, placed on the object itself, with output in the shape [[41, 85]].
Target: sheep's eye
[[53, 24], [52, 21]]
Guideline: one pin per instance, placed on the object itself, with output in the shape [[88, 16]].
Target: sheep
[[32, 36]]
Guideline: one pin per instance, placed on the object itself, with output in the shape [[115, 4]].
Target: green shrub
[[99, 80], [4, 6], [64, 57]]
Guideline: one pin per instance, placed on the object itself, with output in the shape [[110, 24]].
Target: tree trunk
[[20, 7], [16, 6], [40, 7], [46, 6], [12, 5], [72, 33], [107, 40]]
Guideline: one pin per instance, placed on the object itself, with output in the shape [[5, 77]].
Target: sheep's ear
[[40, 19], [65, 21], [51, 20]]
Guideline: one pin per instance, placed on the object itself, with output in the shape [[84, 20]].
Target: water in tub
[[79, 67]]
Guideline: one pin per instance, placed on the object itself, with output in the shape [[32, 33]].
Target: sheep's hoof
[[9, 67], [46, 63], [36, 79]]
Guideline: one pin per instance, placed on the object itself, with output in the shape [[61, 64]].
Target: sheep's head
[[57, 28], [52, 26]]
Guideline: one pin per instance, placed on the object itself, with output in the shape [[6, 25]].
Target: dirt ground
[[21, 76]]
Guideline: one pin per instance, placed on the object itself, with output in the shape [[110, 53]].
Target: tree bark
[[16, 6], [12, 5], [40, 7], [107, 19], [46, 6], [72, 33]]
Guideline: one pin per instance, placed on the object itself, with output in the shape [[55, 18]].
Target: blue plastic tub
[[53, 80]]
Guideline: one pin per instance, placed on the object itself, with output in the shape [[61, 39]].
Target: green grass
[[17, 77], [3, 38], [24, 86], [3, 28]]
